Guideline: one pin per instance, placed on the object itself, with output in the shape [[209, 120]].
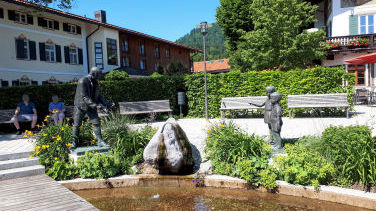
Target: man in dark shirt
[[86, 101], [25, 111]]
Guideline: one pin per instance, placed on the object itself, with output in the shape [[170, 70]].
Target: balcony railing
[[344, 40]]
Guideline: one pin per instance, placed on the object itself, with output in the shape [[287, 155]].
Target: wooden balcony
[[344, 40]]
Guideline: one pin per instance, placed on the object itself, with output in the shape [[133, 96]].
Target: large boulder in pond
[[169, 151]]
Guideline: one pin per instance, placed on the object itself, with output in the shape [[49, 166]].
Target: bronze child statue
[[276, 121], [87, 100], [268, 106]]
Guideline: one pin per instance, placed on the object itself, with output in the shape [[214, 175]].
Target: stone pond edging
[[346, 196]]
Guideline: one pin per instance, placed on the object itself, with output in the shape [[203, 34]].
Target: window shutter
[[78, 29], [1, 13], [58, 53], [353, 25], [66, 54], [56, 25], [80, 56], [32, 50], [42, 51], [65, 27], [20, 47], [30, 20], [11, 15]]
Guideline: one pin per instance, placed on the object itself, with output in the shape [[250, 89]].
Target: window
[[366, 24], [48, 23], [210, 62], [20, 17], [111, 52], [25, 49], [353, 3], [71, 28], [4, 83], [142, 49], [125, 62], [168, 53], [73, 55], [125, 46], [50, 53], [359, 74], [156, 51], [98, 55], [1, 13], [142, 64], [156, 66], [220, 61]]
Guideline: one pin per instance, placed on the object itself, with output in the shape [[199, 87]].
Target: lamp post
[[204, 31]]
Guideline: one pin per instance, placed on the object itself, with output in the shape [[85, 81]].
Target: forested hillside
[[215, 43]]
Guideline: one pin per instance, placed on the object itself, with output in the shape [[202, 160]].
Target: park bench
[[145, 107], [337, 100], [239, 103]]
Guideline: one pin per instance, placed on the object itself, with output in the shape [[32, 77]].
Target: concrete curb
[[326, 193]]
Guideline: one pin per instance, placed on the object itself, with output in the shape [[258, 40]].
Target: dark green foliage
[[62, 170], [131, 89], [177, 68], [353, 151], [235, 18], [215, 43], [62, 4], [319, 80], [116, 75], [98, 165]]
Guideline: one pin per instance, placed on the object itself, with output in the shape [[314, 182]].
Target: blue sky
[[167, 19]]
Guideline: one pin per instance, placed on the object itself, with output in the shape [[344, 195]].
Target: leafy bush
[[304, 166], [353, 151], [62, 170], [320, 80], [116, 75], [156, 75], [98, 165], [235, 153]]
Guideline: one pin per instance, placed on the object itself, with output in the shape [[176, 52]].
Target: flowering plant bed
[[358, 43], [332, 45]]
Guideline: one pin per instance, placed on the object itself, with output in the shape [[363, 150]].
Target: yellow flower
[[25, 136], [53, 137], [208, 131], [68, 119], [37, 152], [69, 144], [31, 156], [102, 121], [93, 141], [48, 116], [222, 125], [44, 134], [47, 146], [43, 146], [81, 127], [46, 120], [55, 158], [62, 129], [58, 138], [38, 126], [29, 133], [37, 147]]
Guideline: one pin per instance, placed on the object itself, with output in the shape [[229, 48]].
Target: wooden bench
[[337, 100], [145, 107], [238, 103]]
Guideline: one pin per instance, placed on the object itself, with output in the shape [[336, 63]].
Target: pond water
[[171, 198]]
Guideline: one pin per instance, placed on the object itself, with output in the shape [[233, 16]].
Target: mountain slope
[[215, 43]]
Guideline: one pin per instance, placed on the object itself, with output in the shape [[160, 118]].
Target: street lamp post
[[204, 31]]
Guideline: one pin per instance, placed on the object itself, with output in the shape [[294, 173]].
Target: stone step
[[21, 172], [18, 163], [16, 155]]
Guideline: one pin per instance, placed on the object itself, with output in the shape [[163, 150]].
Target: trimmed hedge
[[233, 84], [131, 89], [320, 80]]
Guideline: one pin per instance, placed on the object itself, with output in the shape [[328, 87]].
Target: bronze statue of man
[[276, 121], [268, 106], [86, 101]]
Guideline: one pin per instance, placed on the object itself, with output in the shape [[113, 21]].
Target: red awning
[[366, 59]]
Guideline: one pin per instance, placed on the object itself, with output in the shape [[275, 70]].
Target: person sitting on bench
[[25, 111], [57, 110]]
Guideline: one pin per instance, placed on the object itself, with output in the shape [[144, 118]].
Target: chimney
[[100, 15]]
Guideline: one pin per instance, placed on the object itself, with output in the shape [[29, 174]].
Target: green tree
[[235, 18], [176, 69], [62, 4], [278, 39], [215, 43]]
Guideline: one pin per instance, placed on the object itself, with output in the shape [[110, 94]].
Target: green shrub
[[353, 151], [304, 166], [116, 75], [156, 75], [62, 170], [98, 166], [320, 80], [268, 177]]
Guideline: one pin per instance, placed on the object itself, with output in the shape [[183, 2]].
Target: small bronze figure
[[268, 106], [276, 121], [87, 100]]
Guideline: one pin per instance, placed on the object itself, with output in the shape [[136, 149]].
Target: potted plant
[[358, 43], [329, 45]]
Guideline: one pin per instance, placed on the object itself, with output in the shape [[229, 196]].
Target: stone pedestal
[[78, 152]]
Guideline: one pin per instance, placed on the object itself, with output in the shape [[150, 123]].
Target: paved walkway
[[14, 144], [39, 193]]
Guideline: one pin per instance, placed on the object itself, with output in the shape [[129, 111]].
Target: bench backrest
[[143, 107], [242, 102], [6, 115], [318, 100]]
